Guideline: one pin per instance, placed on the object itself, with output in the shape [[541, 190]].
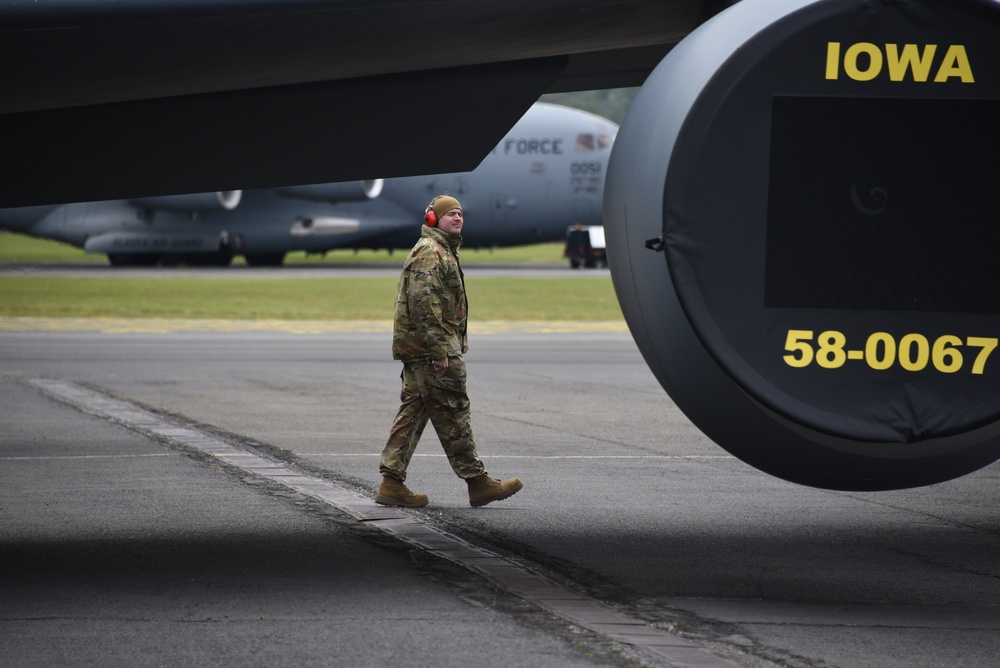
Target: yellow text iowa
[[909, 62]]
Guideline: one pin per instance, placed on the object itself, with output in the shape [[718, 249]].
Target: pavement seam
[[519, 580]]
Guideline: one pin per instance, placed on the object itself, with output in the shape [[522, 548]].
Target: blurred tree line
[[611, 103]]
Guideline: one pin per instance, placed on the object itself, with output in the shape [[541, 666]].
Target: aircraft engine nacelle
[[222, 200], [351, 191], [802, 230]]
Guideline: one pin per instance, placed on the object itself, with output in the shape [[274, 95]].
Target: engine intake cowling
[[221, 200], [799, 280]]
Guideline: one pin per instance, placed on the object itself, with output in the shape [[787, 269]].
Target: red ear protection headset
[[430, 218]]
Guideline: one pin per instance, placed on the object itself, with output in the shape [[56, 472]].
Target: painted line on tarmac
[[173, 325], [429, 454], [568, 605]]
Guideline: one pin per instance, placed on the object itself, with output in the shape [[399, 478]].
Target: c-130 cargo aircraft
[[798, 209], [544, 176]]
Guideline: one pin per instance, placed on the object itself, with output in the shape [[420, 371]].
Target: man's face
[[452, 221]]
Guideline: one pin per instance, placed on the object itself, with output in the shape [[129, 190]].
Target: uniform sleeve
[[425, 296]]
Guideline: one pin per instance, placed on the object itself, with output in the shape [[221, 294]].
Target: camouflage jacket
[[431, 307]]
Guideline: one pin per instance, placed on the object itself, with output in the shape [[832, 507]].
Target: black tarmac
[[123, 546]]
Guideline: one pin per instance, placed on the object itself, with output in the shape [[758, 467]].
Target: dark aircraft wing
[[106, 99]]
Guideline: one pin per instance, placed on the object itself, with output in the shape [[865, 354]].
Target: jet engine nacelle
[[222, 200], [801, 228], [351, 191]]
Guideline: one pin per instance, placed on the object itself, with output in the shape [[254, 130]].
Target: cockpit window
[[589, 143]]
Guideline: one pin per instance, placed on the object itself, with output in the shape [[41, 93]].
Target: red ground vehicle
[[585, 246]]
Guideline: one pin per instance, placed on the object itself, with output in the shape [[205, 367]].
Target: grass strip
[[294, 298]]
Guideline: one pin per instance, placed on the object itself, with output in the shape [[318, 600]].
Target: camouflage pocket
[[450, 386]]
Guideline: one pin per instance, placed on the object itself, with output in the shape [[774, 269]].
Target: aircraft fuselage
[[547, 174]]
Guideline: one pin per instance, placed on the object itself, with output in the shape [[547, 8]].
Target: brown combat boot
[[394, 493], [484, 489]]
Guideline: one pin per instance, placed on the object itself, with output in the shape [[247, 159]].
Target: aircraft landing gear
[[133, 259], [265, 259]]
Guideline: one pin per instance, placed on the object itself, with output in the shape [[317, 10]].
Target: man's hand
[[440, 366]]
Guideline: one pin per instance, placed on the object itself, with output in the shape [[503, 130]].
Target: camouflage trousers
[[444, 401]]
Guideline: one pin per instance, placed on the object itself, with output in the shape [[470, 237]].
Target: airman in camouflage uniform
[[429, 337]]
